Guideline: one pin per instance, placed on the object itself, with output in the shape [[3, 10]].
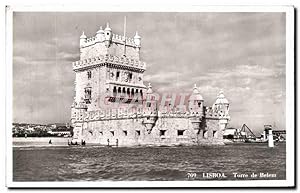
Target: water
[[92, 163]]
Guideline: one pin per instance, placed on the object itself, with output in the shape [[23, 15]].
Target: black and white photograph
[[147, 97]]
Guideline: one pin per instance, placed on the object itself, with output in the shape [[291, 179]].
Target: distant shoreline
[[40, 141]]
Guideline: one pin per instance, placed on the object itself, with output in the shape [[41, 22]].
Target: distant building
[[230, 133], [61, 131]]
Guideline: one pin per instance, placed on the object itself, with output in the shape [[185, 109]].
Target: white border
[[290, 144]]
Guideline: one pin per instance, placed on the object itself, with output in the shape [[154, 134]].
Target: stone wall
[[132, 132]]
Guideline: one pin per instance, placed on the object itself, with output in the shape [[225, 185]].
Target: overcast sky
[[241, 53]]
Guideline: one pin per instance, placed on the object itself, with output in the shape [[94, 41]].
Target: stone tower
[[113, 107], [221, 106], [109, 71]]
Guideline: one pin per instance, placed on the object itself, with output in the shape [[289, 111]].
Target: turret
[[137, 40], [196, 102], [221, 104], [196, 109], [151, 102], [82, 39], [150, 109], [107, 35], [100, 34]]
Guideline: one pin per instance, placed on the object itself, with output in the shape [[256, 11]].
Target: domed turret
[[196, 101], [150, 110], [107, 35], [107, 28], [82, 39], [196, 108], [151, 98], [221, 99], [196, 94], [137, 39], [221, 105], [100, 31], [149, 90], [100, 34], [83, 36]]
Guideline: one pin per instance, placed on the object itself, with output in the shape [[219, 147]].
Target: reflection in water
[[93, 163]]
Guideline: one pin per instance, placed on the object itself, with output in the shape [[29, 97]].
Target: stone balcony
[[112, 61]]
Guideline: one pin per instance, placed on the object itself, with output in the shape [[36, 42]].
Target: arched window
[[141, 93], [148, 104], [89, 74], [118, 75], [88, 95], [128, 92], [130, 77], [115, 91]]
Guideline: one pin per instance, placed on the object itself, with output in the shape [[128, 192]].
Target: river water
[[94, 163]]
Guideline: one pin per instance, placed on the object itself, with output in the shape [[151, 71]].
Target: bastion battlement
[[125, 113]]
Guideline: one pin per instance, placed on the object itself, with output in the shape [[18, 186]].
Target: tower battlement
[[106, 42], [116, 38]]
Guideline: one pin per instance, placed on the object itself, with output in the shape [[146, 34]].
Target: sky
[[241, 53]]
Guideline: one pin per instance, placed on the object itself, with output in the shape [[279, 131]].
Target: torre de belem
[[112, 106]]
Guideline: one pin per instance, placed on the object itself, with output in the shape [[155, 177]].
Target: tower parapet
[[116, 38], [196, 108], [106, 42]]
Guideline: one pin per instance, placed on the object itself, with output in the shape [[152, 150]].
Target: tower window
[[141, 93], [113, 133], [125, 133], [118, 75], [128, 92], [162, 132], [138, 132], [88, 95], [89, 74], [115, 91], [215, 134], [204, 134], [180, 132], [148, 104]]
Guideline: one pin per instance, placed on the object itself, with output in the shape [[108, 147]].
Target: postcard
[[122, 96]]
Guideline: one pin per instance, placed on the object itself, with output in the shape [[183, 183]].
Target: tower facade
[[112, 106], [109, 70]]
